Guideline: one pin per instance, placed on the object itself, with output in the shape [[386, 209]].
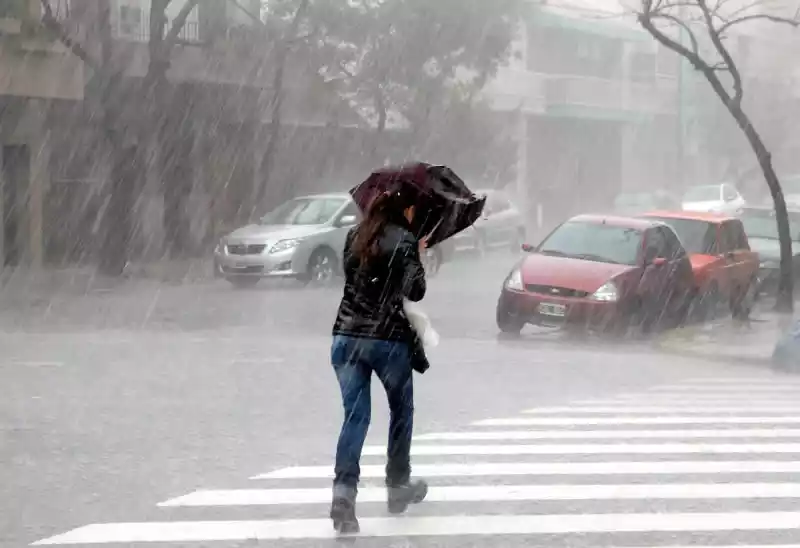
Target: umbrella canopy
[[445, 205]]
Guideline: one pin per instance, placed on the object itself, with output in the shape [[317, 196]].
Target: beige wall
[[28, 70]]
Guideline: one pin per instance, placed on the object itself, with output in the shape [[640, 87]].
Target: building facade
[[56, 165], [36, 72], [600, 107]]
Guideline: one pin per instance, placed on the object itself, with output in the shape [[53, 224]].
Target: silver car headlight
[[607, 292], [514, 280], [285, 245]]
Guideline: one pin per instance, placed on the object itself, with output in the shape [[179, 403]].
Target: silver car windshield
[[304, 211], [702, 194]]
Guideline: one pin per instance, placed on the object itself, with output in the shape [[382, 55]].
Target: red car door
[[657, 268], [742, 262]]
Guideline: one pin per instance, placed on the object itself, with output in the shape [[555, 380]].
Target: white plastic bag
[[421, 323]]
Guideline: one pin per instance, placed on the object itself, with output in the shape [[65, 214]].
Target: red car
[[725, 268], [601, 272]]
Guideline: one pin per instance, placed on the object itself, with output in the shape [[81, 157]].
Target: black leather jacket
[[372, 305]]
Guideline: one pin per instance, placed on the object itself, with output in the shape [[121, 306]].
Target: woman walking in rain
[[372, 334]]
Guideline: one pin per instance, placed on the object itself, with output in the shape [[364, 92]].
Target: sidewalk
[[82, 280], [727, 342]]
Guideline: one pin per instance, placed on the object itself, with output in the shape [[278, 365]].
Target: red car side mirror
[[528, 248]]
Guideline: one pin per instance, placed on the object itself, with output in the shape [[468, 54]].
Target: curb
[[717, 357], [188, 272]]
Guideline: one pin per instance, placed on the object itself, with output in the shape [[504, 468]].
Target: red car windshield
[[594, 241], [698, 237]]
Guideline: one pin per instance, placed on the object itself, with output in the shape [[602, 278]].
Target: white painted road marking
[[551, 469], [720, 412], [21, 363], [747, 381], [593, 449], [611, 434], [495, 493], [210, 531], [577, 421], [706, 409], [725, 388], [691, 401]]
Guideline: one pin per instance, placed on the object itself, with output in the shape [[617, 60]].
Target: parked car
[[790, 184], [605, 273], [501, 225], [721, 198], [633, 203], [762, 233], [301, 239], [725, 268]]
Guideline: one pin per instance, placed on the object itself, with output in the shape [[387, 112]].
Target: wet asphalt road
[[116, 401]]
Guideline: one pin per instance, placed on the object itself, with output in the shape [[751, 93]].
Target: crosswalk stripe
[[576, 421], [496, 493], [593, 449], [706, 409], [692, 400], [210, 531], [700, 411], [476, 469], [610, 434], [724, 388], [749, 381]]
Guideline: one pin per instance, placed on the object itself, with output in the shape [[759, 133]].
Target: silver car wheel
[[322, 268]]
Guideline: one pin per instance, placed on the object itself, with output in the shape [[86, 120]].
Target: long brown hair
[[385, 209]]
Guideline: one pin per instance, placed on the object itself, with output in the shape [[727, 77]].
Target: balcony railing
[[583, 91], [618, 95], [139, 30]]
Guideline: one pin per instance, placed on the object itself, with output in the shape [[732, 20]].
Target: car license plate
[[549, 309]]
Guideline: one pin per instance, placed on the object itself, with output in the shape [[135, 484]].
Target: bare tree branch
[[755, 17], [716, 39], [179, 22], [646, 20], [50, 22], [744, 9], [238, 5], [689, 32]]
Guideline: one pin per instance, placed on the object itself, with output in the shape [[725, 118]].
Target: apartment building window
[[213, 19], [130, 21], [667, 61], [13, 9], [643, 67], [743, 55]]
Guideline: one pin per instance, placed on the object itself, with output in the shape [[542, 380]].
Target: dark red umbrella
[[445, 204]]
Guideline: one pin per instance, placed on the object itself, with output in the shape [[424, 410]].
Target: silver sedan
[[301, 239]]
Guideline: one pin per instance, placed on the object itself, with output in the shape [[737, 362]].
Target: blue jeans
[[354, 360]]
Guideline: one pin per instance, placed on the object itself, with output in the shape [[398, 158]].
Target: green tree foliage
[[405, 55], [417, 65]]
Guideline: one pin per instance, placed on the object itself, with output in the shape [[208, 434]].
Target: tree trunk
[[378, 144], [178, 175], [115, 224], [281, 58], [156, 124], [785, 296]]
